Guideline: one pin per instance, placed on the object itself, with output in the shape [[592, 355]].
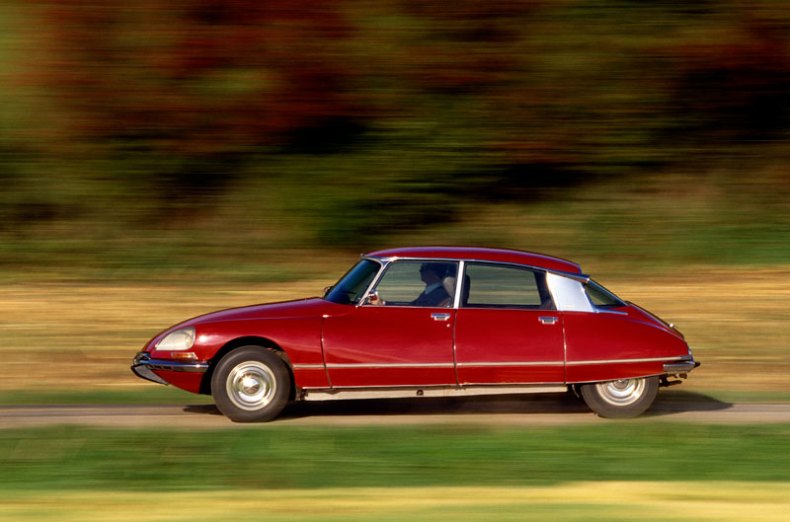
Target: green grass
[[276, 457]]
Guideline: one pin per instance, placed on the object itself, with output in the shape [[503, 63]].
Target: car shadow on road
[[497, 404], [668, 402]]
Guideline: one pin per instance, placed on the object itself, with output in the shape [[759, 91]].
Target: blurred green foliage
[[184, 137], [81, 458]]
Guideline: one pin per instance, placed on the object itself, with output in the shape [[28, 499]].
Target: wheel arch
[[263, 343]]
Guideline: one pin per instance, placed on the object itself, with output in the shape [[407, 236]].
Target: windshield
[[600, 296], [352, 286]]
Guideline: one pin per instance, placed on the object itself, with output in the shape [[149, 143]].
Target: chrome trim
[[568, 294], [426, 391], [308, 366], [143, 360], [375, 280], [459, 282], [681, 367], [581, 277], [346, 366], [145, 373], [602, 310], [509, 363], [622, 361]]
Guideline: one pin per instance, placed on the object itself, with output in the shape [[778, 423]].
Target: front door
[[401, 337]]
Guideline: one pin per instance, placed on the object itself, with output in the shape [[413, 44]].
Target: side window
[[417, 283], [499, 286]]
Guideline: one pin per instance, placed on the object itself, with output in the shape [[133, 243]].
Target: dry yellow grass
[[726, 501], [59, 336]]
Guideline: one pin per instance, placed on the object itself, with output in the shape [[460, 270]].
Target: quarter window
[[600, 296], [497, 286]]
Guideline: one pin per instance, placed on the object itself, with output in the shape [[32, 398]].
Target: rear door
[[507, 329]]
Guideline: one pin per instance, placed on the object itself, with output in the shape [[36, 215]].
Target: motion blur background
[[160, 159], [185, 138]]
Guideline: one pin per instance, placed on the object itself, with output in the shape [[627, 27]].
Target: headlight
[[178, 340]]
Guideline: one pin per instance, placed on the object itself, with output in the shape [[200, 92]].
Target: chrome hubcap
[[251, 385], [622, 392]]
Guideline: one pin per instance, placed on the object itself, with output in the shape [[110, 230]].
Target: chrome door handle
[[548, 319], [440, 317]]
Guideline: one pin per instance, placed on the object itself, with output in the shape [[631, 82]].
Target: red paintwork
[[330, 345], [508, 336], [388, 343], [613, 336], [184, 380]]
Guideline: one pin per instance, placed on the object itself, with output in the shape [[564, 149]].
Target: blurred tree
[[376, 109], [200, 76]]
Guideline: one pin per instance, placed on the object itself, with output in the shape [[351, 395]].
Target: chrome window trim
[[385, 263], [579, 277], [478, 306], [382, 266], [459, 282]]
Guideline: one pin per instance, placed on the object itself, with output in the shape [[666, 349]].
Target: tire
[[621, 399], [251, 384]]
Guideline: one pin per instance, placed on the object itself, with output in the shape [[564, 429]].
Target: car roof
[[499, 255]]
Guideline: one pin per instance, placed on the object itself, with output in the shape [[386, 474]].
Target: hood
[[283, 310], [302, 308]]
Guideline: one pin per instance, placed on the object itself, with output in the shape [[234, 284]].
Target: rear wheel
[[251, 384], [621, 399]]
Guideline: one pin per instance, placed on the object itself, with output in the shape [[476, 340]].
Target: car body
[[427, 322]]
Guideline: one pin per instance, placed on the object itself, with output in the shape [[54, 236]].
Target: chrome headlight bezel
[[177, 340]]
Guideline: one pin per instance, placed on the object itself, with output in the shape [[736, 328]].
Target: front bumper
[[143, 366]]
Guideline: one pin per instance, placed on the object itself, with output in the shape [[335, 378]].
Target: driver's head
[[432, 272]]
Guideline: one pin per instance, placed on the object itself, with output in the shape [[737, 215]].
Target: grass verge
[[279, 458]]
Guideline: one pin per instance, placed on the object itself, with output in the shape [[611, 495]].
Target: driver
[[434, 294]]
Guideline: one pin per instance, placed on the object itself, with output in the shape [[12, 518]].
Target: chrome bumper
[[143, 367], [680, 366]]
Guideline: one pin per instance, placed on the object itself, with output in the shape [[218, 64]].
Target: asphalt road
[[511, 410]]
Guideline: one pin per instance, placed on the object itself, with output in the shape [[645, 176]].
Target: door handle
[[440, 317], [548, 319]]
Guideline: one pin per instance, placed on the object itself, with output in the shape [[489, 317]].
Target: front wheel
[[621, 399], [251, 384]]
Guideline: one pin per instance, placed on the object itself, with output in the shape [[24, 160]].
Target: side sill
[[435, 391]]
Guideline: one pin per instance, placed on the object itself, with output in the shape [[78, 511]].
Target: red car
[[428, 322]]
